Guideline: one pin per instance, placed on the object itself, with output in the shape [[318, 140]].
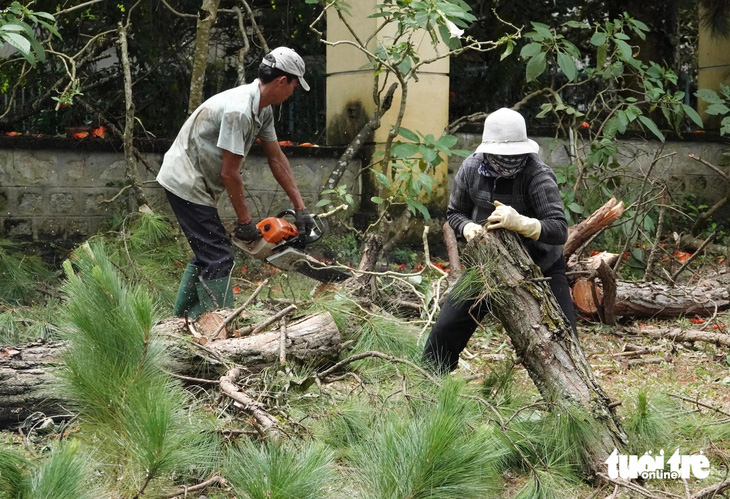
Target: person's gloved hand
[[506, 217], [303, 221], [470, 230], [247, 232]]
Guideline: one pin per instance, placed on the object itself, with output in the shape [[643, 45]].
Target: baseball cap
[[289, 61]]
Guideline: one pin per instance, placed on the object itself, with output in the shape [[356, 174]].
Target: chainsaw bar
[[292, 259]]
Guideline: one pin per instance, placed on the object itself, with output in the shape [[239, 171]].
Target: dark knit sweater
[[533, 192]]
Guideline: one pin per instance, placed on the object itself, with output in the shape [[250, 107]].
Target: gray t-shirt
[[192, 167]]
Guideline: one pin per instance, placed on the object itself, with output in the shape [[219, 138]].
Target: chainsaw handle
[[315, 234]]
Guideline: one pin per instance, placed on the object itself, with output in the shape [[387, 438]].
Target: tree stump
[[541, 336], [29, 383]]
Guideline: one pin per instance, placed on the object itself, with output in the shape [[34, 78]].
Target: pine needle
[[280, 470]]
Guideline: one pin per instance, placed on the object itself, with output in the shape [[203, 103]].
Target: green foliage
[[64, 473], [648, 426], [434, 454], [346, 426], [14, 482], [21, 275], [17, 28], [411, 169], [134, 412], [338, 194], [548, 484], [22, 324], [626, 95], [149, 252], [719, 105], [274, 470]]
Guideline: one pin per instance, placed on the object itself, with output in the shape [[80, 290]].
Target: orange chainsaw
[[283, 247]]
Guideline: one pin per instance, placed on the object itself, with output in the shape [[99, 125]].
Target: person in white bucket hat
[[204, 163], [502, 185]]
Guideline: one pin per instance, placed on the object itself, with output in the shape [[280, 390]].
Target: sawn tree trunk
[[28, 374], [542, 337]]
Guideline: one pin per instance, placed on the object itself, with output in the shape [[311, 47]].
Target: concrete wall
[[685, 175], [59, 194]]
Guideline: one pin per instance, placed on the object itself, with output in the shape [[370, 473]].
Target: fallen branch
[[252, 330], [712, 490], [628, 485], [688, 335], [184, 491], [693, 256], [379, 355], [265, 423], [699, 404], [282, 342], [600, 219], [241, 308]]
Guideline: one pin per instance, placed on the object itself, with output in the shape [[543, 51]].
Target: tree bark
[[600, 219], [453, 251], [208, 12], [128, 137], [29, 379], [542, 337], [649, 299]]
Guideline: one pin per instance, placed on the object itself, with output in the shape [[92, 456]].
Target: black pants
[[206, 235], [457, 321]]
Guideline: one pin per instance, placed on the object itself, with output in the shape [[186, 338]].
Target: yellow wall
[[713, 55], [350, 86]]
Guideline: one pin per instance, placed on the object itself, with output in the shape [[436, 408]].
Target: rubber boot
[[187, 300], [215, 294]]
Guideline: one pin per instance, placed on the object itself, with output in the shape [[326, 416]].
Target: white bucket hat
[[505, 133], [287, 60]]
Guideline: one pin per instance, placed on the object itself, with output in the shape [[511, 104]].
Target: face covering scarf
[[495, 165]]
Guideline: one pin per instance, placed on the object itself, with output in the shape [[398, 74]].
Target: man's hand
[[247, 232], [470, 230], [506, 217], [304, 222]]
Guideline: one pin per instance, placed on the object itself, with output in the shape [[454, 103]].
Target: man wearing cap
[[505, 185], [204, 162]]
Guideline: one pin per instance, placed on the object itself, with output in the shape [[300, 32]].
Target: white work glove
[[506, 217], [470, 230]]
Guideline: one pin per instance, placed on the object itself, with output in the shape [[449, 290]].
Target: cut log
[[542, 337], [600, 219], [648, 299], [28, 380], [585, 266]]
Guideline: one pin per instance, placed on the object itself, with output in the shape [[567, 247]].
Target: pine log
[[576, 267], [600, 219], [27, 382], [28, 374], [649, 299], [542, 337]]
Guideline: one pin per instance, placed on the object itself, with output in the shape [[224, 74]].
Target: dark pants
[[206, 235], [457, 321]]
